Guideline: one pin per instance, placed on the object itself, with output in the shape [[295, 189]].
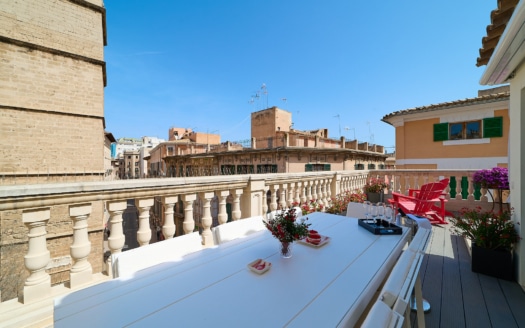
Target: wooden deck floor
[[460, 297]]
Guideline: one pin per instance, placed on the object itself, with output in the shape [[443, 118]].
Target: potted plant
[[287, 229], [374, 189], [339, 204], [492, 235], [496, 178]]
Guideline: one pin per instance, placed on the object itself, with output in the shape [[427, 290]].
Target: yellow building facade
[[472, 133]]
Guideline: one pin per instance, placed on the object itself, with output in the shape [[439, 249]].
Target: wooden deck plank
[[499, 311], [433, 278], [515, 299], [452, 314]]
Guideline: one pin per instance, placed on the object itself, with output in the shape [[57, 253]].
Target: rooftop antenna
[[265, 93], [370, 132], [339, 118]]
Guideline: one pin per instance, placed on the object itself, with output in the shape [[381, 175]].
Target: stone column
[[116, 238], [144, 232], [223, 215], [314, 190], [81, 271], [289, 201], [309, 187], [168, 229], [265, 201], [189, 223], [273, 198], [207, 236], [282, 200], [38, 284], [298, 189], [236, 208]]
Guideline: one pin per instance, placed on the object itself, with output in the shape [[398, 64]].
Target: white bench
[[129, 262], [381, 315], [237, 229]]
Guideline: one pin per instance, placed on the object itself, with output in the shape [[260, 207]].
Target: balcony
[[183, 205]]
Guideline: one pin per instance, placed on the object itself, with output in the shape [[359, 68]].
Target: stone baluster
[[282, 200], [188, 224], [328, 190], [298, 189], [81, 271], [236, 208], [319, 193], [273, 198], [314, 189], [116, 237], [289, 200], [265, 201], [38, 284], [406, 186], [169, 228], [470, 196], [324, 190], [223, 215], [458, 187], [144, 232], [309, 188], [207, 236]]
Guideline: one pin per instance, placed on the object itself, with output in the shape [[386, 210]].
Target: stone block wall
[[52, 78]]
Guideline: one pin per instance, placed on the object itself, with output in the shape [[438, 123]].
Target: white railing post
[[236, 208], [273, 198], [144, 232], [169, 228], [223, 215], [189, 223], [207, 236], [282, 200], [265, 201], [38, 284], [81, 271], [298, 188], [289, 200], [116, 237]]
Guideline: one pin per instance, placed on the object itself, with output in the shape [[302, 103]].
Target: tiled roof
[[450, 104], [499, 19]]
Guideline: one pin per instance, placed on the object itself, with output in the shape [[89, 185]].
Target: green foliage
[[486, 229]]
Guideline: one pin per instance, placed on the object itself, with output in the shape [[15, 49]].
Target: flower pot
[[492, 262], [374, 197], [285, 249]]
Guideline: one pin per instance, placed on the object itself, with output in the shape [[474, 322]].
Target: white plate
[[259, 266], [324, 240]]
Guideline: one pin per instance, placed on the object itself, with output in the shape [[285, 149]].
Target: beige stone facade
[[52, 80], [275, 148]]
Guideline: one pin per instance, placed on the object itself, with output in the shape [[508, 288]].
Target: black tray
[[385, 228]]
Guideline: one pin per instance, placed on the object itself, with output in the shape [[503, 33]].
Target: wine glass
[[366, 205], [389, 213], [380, 213], [373, 212]]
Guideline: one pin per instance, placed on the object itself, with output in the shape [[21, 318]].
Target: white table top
[[317, 287]]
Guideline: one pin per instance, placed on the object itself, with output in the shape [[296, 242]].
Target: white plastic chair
[[237, 229], [381, 315], [129, 262]]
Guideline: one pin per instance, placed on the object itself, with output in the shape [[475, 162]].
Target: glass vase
[[285, 249]]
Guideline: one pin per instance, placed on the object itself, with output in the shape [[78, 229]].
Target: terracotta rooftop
[[499, 19], [451, 104]]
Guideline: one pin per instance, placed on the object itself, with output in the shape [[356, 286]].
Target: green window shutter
[[308, 167], [274, 168], [239, 169], [251, 169], [441, 132], [327, 167], [493, 127]]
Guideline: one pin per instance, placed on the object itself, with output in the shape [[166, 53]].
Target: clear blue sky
[[197, 63]]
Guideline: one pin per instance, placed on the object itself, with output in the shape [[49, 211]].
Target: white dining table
[[324, 286]]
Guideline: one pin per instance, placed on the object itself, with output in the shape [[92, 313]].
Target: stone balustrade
[[252, 195]]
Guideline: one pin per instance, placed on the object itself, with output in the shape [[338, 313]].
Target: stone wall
[[52, 79]]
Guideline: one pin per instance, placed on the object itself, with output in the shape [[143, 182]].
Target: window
[[491, 127], [371, 166], [227, 169], [359, 166], [317, 167], [244, 169], [266, 168]]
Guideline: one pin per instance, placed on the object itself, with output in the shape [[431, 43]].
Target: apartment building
[[471, 133], [275, 147]]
